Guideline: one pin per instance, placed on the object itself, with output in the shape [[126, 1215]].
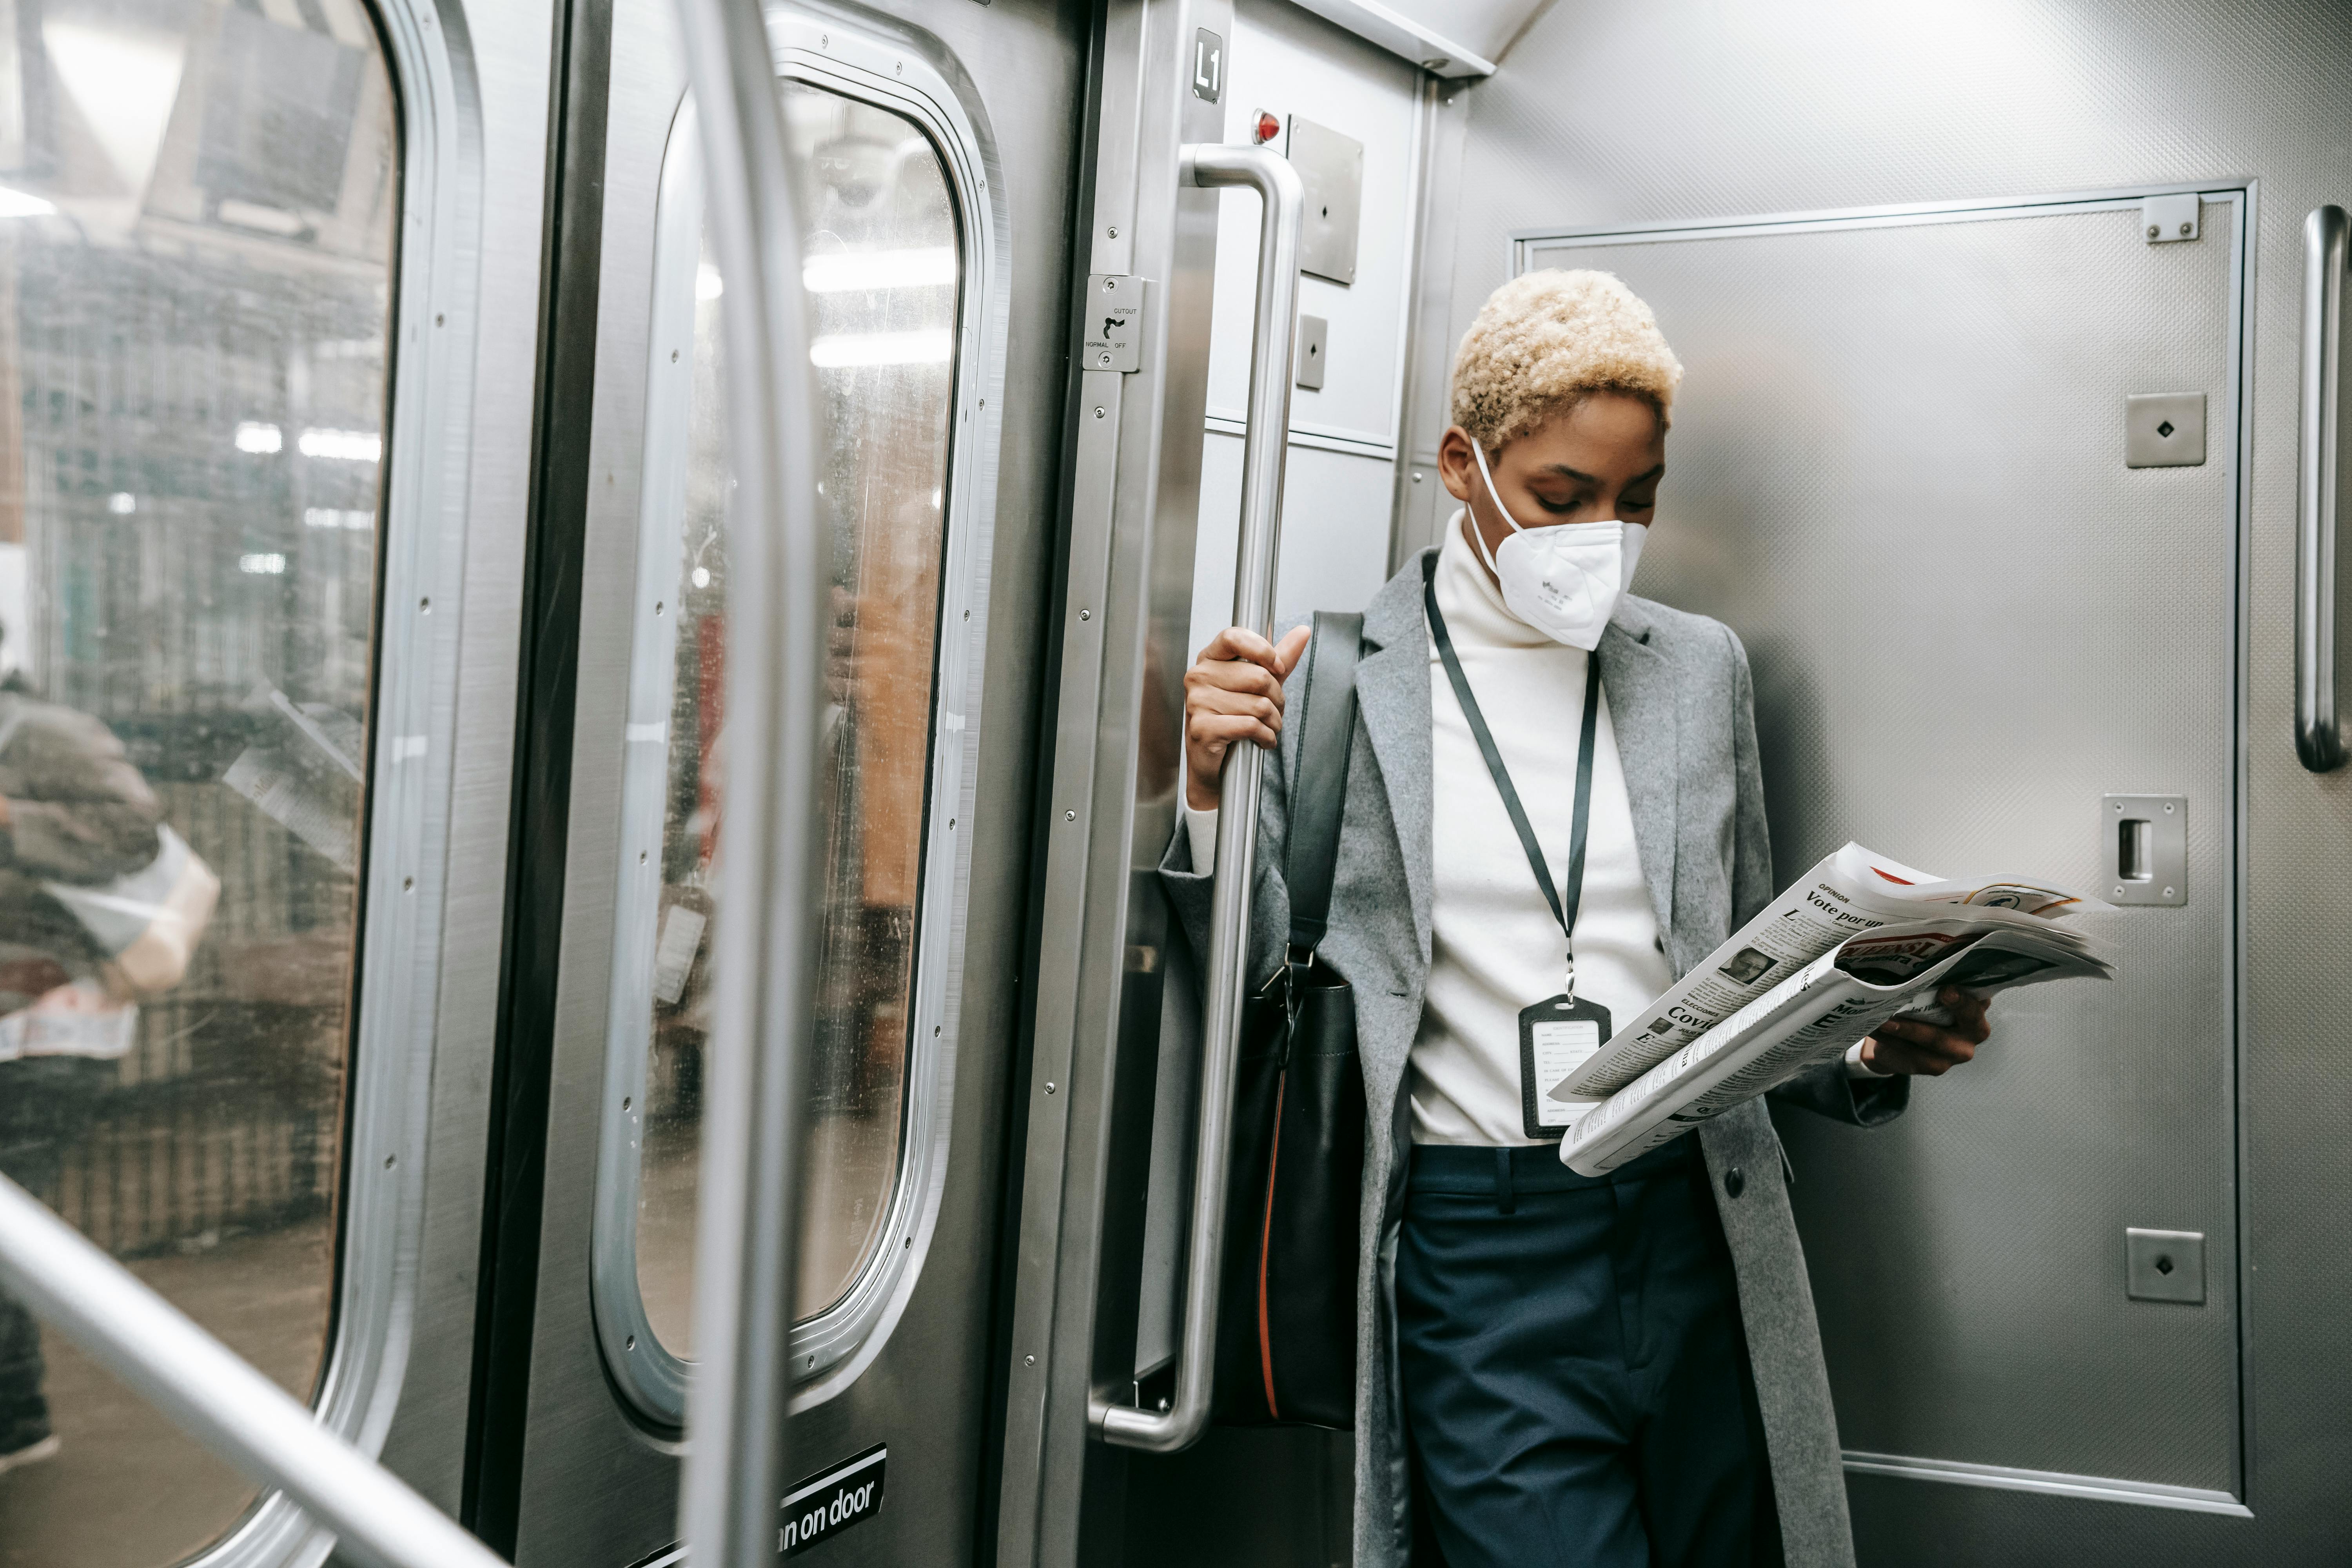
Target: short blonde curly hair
[[1545, 340]]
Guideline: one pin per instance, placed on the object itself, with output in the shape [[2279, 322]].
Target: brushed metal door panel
[[1897, 471]]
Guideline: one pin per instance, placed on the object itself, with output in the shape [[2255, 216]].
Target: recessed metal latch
[[2164, 1265], [2169, 220], [1113, 336], [2144, 844]]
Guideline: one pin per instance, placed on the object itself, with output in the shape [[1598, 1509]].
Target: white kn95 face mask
[[1562, 580]]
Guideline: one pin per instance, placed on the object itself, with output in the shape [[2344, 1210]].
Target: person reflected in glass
[[74, 814]]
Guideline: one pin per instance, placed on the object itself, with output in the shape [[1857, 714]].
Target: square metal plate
[[1331, 166], [1314, 334], [2164, 1265], [2164, 430]]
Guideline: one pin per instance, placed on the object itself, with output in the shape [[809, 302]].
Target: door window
[[196, 211], [883, 264]]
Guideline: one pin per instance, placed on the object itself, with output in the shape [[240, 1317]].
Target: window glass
[[881, 262], [196, 210]]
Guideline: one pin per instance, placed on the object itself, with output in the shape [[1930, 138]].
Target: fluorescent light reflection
[[845, 271], [122, 503], [252, 436], [351, 446], [708, 284], [852, 350], [23, 204], [269, 565], [335, 516]]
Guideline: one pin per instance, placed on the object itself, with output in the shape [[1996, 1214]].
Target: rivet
[[1049, 1086], [2153, 231], [1085, 615], [1028, 1361], [1098, 413], [1113, 233], [950, 825], [2167, 893], [2184, 230], [388, 1160], [1070, 816], [2167, 811]]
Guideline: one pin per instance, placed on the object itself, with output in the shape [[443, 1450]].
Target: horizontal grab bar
[[203, 1386]]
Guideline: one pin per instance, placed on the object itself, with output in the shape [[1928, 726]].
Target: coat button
[[1735, 1181]]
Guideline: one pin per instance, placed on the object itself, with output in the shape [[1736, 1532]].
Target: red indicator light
[[1267, 128]]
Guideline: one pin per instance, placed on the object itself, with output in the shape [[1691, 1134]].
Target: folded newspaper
[[1853, 942]]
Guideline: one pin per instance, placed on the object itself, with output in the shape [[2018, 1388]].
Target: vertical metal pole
[[1265, 449], [768, 910]]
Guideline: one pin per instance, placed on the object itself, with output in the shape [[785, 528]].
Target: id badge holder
[[1557, 1036]]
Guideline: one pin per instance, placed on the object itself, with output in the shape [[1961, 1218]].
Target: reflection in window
[[196, 202], [882, 265]]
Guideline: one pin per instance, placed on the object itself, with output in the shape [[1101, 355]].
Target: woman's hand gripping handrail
[[2318, 725], [1265, 446], [211, 1393], [747, 1229]]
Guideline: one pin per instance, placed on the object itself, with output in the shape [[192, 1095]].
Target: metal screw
[[1110, 285], [1085, 615], [1070, 816], [388, 1160], [2153, 231], [950, 825], [2167, 811], [2167, 893], [1104, 361], [1049, 1088], [1098, 413], [408, 884], [1028, 1361], [2184, 230]]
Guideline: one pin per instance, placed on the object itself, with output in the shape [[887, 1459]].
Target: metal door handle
[[1264, 445], [2318, 727], [764, 953]]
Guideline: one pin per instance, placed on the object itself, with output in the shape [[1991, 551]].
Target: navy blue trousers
[[1575, 1379]]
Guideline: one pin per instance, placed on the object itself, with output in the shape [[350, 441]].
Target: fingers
[[1967, 1013], [1240, 643], [1293, 644], [1915, 1047]]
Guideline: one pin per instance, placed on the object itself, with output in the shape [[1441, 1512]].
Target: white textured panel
[[1290, 63], [1335, 534]]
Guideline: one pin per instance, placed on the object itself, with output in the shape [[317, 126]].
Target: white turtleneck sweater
[[1495, 948]]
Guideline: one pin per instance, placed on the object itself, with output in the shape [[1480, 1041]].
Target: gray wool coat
[[1681, 702]]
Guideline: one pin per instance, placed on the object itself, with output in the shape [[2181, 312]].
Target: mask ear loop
[[1478, 450]]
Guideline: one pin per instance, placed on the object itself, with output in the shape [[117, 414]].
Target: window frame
[[421, 618], [830, 1350]]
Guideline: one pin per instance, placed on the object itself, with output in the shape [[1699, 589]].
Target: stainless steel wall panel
[[1898, 473]]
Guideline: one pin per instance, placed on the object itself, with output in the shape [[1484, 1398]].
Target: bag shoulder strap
[[1327, 732]]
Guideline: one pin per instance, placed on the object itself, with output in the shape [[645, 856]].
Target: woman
[[1553, 1369]]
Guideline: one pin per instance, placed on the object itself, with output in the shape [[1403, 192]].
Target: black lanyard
[[1564, 900]]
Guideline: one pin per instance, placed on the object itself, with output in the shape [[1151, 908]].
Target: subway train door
[[269, 280], [1156, 492], [933, 161]]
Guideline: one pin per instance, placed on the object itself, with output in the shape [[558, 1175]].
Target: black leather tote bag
[[1287, 1298]]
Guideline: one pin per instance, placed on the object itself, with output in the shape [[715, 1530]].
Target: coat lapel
[[1392, 698], [1644, 712]]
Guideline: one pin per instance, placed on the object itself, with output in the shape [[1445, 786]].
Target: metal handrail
[[764, 947], [213, 1394], [2318, 725], [1265, 444]]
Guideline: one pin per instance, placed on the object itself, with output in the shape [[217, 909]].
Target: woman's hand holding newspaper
[[1919, 1048]]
